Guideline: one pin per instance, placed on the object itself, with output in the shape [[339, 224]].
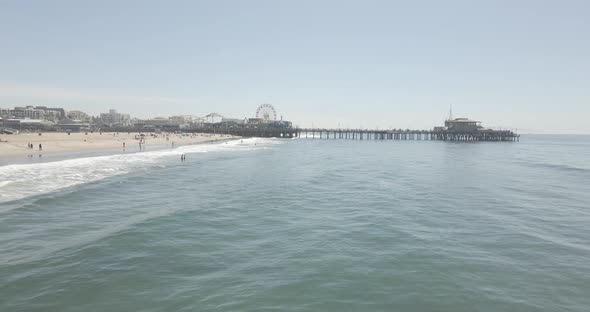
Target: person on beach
[[40, 147], [123, 145]]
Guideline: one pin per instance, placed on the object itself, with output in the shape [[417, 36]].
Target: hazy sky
[[514, 64]]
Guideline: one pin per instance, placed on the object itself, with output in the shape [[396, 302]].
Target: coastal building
[[53, 114], [182, 119], [114, 118], [69, 125], [213, 118], [161, 123], [158, 122], [34, 112], [22, 113], [254, 121], [198, 122], [462, 125], [27, 124], [79, 116], [232, 120]]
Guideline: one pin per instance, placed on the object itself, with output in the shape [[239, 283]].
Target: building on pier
[[462, 125]]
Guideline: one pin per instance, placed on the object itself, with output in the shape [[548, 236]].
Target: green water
[[271, 225]]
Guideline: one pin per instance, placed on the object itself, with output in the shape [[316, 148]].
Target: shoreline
[[61, 146]]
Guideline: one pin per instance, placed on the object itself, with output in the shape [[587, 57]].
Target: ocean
[[302, 225]]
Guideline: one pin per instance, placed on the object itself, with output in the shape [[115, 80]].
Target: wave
[[559, 167], [25, 180], [566, 167], [37, 251]]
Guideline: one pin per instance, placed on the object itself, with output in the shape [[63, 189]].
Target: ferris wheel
[[266, 112]]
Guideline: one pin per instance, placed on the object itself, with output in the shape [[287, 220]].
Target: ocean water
[[302, 225]]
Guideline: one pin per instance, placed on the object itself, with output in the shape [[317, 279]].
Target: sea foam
[[24, 180]]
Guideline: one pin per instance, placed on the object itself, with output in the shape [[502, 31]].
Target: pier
[[287, 133], [454, 129], [426, 135], [365, 134]]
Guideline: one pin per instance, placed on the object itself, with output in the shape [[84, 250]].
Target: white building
[[213, 118], [36, 113], [78, 115], [113, 118]]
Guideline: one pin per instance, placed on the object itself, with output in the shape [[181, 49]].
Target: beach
[[61, 142]]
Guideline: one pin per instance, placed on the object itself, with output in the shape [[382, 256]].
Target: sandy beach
[[59, 142]]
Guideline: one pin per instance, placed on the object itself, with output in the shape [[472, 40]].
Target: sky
[[518, 64]]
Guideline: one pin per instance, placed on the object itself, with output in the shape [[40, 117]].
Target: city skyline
[[374, 64]]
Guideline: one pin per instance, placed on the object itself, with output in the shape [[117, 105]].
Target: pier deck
[[364, 134], [431, 135]]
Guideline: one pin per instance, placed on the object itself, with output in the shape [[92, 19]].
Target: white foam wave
[[25, 180]]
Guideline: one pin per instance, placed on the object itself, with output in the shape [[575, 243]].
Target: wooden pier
[[428, 135], [364, 134]]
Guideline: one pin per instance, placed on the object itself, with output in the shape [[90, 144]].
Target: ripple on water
[[303, 226]]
